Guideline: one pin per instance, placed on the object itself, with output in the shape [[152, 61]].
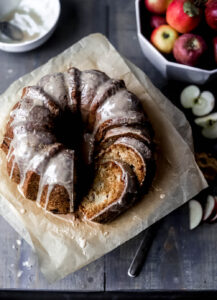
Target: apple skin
[[163, 38], [211, 14], [183, 15], [157, 6], [157, 21], [189, 48], [215, 48]]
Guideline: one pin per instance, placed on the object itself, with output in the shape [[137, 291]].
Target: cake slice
[[54, 86], [89, 81], [26, 144], [37, 108], [104, 91], [35, 168], [121, 109], [63, 88], [72, 84], [131, 151], [141, 133], [113, 191]]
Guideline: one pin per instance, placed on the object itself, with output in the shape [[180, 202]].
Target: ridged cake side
[[71, 121]]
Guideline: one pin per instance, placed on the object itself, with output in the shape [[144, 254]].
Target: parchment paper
[[63, 244]]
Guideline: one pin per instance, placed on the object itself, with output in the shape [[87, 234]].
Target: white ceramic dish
[[170, 70], [47, 10]]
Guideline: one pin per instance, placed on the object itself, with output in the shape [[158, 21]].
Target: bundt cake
[[72, 125]]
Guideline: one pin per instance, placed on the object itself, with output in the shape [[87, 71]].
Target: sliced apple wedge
[[214, 219], [189, 95], [204, 104], [210, 208], [195, 214], [209, 124]]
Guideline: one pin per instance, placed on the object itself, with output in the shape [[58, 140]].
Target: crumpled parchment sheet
[[64, 245]]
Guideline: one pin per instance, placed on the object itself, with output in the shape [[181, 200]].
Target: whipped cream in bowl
[[36, 19]]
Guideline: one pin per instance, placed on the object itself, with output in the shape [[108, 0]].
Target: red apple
[[215, 48], [189, 48], [156, 21], [183, 15], [211, 14], [163, 38], [157, 6]]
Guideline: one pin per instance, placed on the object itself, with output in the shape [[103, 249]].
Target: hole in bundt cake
[[68, 130]]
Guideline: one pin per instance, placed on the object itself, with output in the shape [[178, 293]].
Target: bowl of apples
[[179, 37]]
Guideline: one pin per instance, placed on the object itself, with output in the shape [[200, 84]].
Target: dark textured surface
[[179, 259]]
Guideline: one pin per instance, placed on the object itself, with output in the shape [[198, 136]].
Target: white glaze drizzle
[[121, 108], [54, 86], [30, 140], [59, 171], [12, 169], [27, 147], [120, 104], [89, 82], [140, 133]]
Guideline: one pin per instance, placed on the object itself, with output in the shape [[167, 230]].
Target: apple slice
[[210, 208], [195, 214], [201, 103], [189, 95], [204, 104], [214, 219], [209, 124]]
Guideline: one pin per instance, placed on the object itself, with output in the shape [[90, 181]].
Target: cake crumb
[[22, 211], [156, 188], [19, 242], [162, 196], [27, 264], [82, 242], [19, 273], [106, 233], [136, 219]]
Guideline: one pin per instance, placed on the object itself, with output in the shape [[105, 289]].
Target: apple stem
[[190, 9], [192, 44]]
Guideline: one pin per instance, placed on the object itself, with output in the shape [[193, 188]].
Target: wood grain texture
[[179, 259]]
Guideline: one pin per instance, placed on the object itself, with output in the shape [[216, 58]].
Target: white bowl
[[47, 10], [170, 70]]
